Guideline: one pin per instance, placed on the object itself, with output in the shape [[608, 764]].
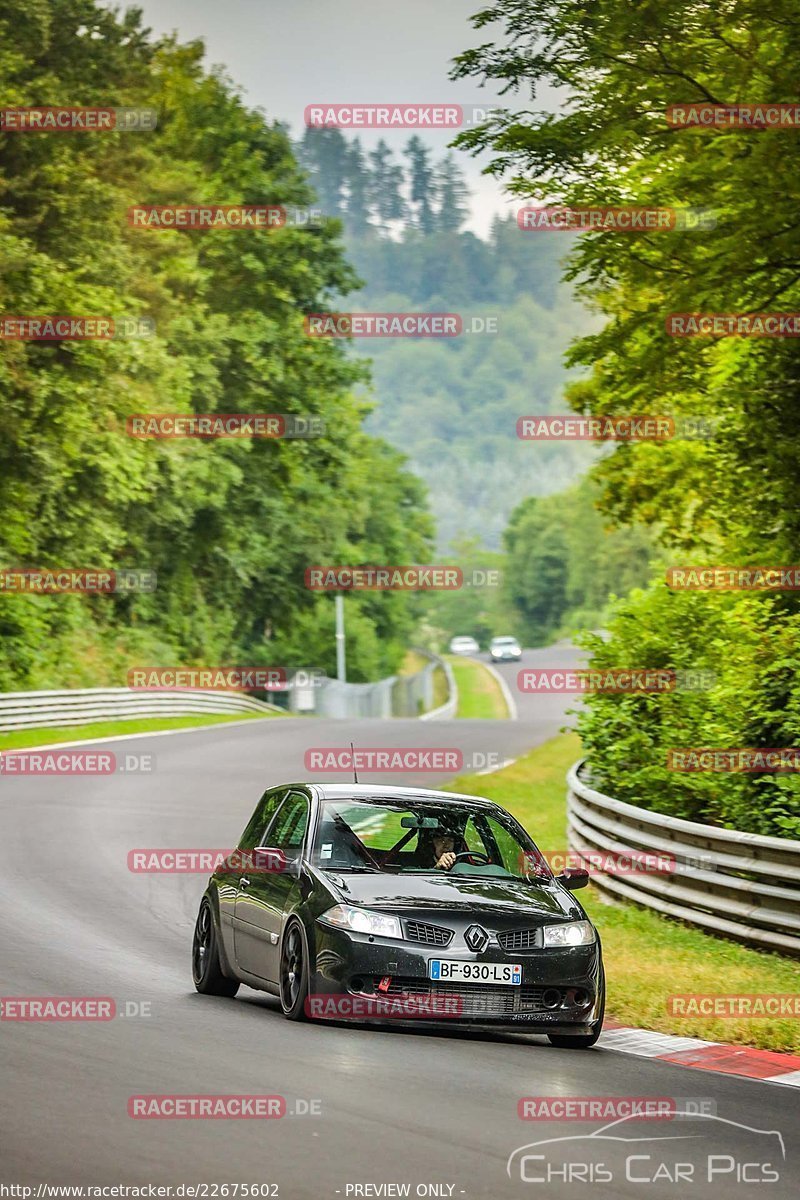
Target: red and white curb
[[766, 1065]]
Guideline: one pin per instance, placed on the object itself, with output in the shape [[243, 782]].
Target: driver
[[437, 848]]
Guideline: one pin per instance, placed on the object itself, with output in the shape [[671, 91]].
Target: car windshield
[[504, 642], [411, 836]]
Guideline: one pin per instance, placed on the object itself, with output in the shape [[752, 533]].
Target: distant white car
[[464, 645], [505, 649]]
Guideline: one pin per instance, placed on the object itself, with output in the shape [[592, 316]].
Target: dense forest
[[228, 526], [726, 499], [452, 404]]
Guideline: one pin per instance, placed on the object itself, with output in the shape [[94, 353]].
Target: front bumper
[[379, 978]]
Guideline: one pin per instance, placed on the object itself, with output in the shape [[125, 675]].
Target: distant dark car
[[505, 649], [335, 895]]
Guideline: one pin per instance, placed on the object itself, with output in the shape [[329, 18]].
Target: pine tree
[[358, 188], [324, 153], [453, 195], [422, 185], [386, 185]]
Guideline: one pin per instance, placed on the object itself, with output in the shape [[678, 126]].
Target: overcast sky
[[290, 53]]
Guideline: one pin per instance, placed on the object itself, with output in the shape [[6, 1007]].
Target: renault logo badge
[[476, 938]]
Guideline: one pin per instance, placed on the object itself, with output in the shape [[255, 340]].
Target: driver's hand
[[446, 861]]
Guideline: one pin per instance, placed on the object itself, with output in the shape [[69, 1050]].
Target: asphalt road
[[424, 1108]]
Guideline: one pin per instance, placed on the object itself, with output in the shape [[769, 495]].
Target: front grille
[[478, 999], [519, 939], [431, 935]]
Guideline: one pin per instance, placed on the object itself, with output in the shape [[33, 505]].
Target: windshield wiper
[[347, 870]]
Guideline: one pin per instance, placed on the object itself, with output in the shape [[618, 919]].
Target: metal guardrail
[[741, 885], [394, 696], [447, 710], [76, 706]]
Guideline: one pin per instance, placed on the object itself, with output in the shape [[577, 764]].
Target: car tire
[[582, 1041], [206, 969], [294, 971]]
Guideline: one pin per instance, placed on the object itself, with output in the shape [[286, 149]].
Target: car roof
[[367, 791]]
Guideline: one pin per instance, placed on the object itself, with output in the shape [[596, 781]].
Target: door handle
[[244, 882]]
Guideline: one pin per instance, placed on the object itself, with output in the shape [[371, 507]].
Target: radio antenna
[[355, 772]]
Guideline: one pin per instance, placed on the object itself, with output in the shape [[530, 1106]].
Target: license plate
[[475, 972]]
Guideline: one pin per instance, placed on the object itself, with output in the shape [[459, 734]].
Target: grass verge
[[648, 957], [24, 738], [479, 693], [413, 662]]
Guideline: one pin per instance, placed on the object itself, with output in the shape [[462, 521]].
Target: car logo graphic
[[476, 938], [603, 1134]]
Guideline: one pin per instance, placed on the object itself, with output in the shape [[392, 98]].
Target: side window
[[290, 826], [511, 853], [474, 838], [265, 810]]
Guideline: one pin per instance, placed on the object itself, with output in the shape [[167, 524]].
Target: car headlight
[[362, 920], [573, 933]]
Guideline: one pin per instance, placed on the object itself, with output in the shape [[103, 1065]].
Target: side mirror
[[573, 878], [270, 859]]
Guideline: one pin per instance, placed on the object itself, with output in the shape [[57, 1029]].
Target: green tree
[[453, 196], [422, 185], [729, 497], [228, 526], [386, 185]]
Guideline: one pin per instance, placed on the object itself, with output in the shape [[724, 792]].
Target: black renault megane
[[369, 901]]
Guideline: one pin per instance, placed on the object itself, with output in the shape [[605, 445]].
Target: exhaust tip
[[551, 998]]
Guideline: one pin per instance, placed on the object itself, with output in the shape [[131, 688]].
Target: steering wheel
[[473, 854]]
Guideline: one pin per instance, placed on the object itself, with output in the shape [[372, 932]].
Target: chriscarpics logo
[[691, 1150]]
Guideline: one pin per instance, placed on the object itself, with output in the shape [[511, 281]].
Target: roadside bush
[[751, 644]]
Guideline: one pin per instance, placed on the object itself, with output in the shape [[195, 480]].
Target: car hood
[[491, 895]]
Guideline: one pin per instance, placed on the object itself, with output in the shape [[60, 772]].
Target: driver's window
[[261, 818], [290, 824]]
